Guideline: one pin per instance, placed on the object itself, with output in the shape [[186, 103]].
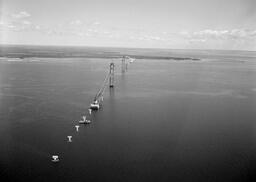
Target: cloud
[[220, 34], [82, 28], [151, 38], [236, 37], [79, 28], [82, 23], [16, 22], [197, 40], [37, 27], [76, 23], [25, 22], [96, 23], [6, 26], [148, 36], [20, 15]]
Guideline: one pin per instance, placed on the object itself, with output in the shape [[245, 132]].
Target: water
[[165, 120]]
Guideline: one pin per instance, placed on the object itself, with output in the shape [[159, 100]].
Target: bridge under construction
[[109, 80], [95, 105]]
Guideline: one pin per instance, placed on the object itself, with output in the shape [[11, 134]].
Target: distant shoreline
[[131, 48], [15, 56], [23, 52], [26, 51]]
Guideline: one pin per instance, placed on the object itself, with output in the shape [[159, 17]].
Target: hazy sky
[[193, 24]]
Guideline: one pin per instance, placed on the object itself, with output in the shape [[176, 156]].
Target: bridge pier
[[111, 74], [123, 65]]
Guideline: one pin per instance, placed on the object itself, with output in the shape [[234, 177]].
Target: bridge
[[109, 80]]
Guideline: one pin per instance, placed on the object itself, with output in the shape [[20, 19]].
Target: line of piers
[[109, 80]]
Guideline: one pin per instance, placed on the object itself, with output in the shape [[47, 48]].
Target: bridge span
[[109, 80]]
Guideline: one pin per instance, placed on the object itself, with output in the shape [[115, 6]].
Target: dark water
[[165, 120]]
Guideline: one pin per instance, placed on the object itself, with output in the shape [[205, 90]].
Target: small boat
[[84, 121], [55, 158], [87, 121], [131, 60], [95, 105], [81, 122]]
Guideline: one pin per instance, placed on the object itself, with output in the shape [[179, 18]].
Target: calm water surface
[[164, 120]]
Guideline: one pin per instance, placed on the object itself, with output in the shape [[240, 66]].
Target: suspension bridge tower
[[123, 64], [111, 75]]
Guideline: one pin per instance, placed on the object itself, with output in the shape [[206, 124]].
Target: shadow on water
[[112, 100], [111, 94]]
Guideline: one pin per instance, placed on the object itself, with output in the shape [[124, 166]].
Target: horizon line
[[122, 47]]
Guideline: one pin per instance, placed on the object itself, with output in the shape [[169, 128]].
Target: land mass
[[82, 52]]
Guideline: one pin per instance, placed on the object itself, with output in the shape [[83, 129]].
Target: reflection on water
[[163, 121]]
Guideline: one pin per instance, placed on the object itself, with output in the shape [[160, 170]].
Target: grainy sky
[[178, 24]]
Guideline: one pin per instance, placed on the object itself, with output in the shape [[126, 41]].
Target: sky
[[174, 24]]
